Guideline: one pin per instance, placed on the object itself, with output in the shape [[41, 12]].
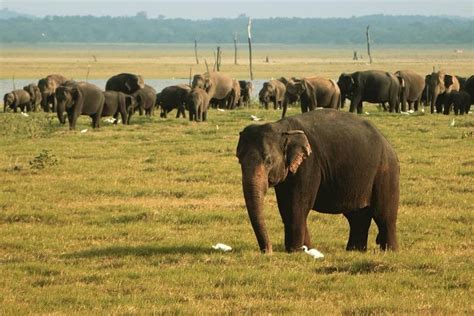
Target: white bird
[[367, 113], [222, 247], [255, 118], [24, 114], [452, 123], [411, 111], [316, 254], [109, 120], [221, 110], [84, 131]]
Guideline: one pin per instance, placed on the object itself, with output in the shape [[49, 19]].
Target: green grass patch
[[124, 220]]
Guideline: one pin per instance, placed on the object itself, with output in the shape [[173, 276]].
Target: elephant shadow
[[138, 251]]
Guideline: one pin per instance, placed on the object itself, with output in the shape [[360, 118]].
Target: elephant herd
[[403, 90], [125, 94]]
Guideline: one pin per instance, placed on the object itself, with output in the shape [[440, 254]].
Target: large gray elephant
[[48, 86], [35, 95], [172, 97], [116, 103], [373, 86], [125, 82], [329, 161], [411, 89], [272, 91], [436, 83], [217, 85], [313, 92], [197, 103], [77, 99], [145, 100], [17, 99]]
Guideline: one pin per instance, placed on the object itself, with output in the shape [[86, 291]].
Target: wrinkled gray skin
[[460, 100], [246, 88], [172, 97], [411, 89], [125, 82], [48, 86], [329, 161], [80, 98], [436, 83], [313, 92], [197, 103], [372, 86], [35, 95], [145, 100], [116, 103], [272, 91], [217, 85], [17, 99]]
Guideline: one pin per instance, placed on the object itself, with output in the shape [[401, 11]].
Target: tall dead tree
[[196, 51], [368, 43], [250, 47], [218, 58], [235, 48]]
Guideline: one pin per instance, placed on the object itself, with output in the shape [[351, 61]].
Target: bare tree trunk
[[190, 74], [235, 48], [368, 44], [196, 51], [249, 26], [218, 58]]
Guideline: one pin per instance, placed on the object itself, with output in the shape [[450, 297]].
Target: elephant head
[[347, 86], [435, 83], [267, 157], [67, 96], [134, 83], [201, 81], [302, 89], [267, 92], [8, 101]]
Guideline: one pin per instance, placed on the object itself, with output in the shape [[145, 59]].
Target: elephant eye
[[267, 160]]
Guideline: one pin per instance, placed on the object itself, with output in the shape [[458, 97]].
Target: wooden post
[[218, 58], [368, 43], [249, 26], [190, 74], [196, 51], [235, 48]]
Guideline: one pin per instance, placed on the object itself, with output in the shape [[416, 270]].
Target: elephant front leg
[[294, 206], [359, 223]]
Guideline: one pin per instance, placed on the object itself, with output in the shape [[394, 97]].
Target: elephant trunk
[[434, 99], [255, 184]]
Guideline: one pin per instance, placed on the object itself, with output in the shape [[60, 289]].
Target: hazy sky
[[198, 9]]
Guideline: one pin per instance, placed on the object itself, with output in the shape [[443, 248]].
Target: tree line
[[141, 29]]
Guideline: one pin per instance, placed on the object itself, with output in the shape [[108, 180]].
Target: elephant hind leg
[[385, 204], [359, 223]]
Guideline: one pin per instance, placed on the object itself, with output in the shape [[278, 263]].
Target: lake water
[[6, 85]]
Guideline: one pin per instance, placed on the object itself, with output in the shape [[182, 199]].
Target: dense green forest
[[140, 29]]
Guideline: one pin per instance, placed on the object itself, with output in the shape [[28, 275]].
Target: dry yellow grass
[[175, 61]]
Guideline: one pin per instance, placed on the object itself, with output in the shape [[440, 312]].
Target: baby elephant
[[461, 100], [197, 103], [17, 99]]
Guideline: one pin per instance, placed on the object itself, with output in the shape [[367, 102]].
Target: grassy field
[[121, 220], [175, 61]]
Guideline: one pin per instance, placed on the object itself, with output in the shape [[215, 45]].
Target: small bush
[[43, 160]]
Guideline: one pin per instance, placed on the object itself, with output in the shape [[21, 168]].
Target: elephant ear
[[296, 149], [401, 81], [77, 97]]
